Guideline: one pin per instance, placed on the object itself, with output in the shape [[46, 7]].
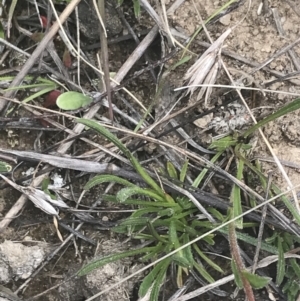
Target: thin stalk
[[236, 256], [262, 225], [104, 56]]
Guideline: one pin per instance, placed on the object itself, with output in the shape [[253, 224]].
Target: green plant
[[162, 220], [72, 100], [239, 146], [167, 223], [4, 167], [288, 270], [39, 88], [243, 278]]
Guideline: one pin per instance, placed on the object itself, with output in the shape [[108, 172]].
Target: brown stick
[[104, 57]]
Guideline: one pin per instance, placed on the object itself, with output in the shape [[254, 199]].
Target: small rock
[[18, 261], [204, 121], [225, 20], [105, 219]]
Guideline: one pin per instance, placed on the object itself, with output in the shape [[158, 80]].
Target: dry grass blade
[[206, 68], [38, 197], [209, 80], [10, 15], [61, 162], [248, 62]]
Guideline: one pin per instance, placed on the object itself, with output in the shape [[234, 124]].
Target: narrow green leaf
[[295, 267], [107, 134], [184, 203], [151, 203], [158, 249], [183, 171], [72, 100], [179, 257], [202, 271], [209, 239], [97, 180], [169, 199], [135, 221], [280, 263], [172, 170], [201, 176], [154, 233], [291, 288], [192, 232], [10, 78], [137, 8], [237, 278], [293, 106], [166, 212], [203, 224], [110, 258], [45, 185], [207, 260], [127, 192], [32, 86], [253, 241], [217, 214], [149, 279], [2, 35], [256, 281], [46, 81], [120, 229], [187, 251], [222, 144], [182, 61], [286, 287], [181, 261], [159, 280], [173, 238], [39, 93], [288, 241], [235, 196]]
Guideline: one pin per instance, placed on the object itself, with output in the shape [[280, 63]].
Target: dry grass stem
[[205, 69]]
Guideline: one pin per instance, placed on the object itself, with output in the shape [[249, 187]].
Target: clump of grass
[[162, 220], [168, 222]]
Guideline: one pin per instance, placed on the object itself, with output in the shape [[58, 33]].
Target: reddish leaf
[[67, 60], [44, 21], [49, 103], [50, 99]]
